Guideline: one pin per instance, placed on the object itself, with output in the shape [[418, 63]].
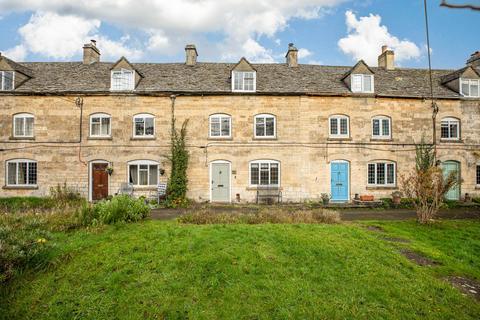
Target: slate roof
[[214, 78]]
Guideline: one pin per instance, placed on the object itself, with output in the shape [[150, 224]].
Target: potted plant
[[396, 197], [325, 198], [109, 170], [366, 197]]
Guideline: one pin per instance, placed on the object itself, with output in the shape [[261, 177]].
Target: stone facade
[[302, 144]]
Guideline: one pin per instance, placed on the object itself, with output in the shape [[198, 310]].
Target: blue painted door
[[339, 181]]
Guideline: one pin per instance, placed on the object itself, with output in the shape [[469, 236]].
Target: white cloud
[[303, 53], [17, 53], [61, 37], [240, 23], [365, 37]]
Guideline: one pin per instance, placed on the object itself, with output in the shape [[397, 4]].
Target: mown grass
[[165, 270]]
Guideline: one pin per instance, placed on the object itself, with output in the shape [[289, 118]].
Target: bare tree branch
[[459, 6]]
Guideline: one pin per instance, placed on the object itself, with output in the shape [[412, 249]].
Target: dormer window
[[122, 79], [470, 88], [244, 81], [362, 83], [7, 79]]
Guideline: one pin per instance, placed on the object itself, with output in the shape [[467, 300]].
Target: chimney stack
[[292, 56], [91, 54], [474, 60], [386, 59], [191, 55]]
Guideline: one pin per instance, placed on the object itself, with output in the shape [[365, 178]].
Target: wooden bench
[[269, 193]]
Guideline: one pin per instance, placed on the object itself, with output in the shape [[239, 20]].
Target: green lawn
[[163, 270]]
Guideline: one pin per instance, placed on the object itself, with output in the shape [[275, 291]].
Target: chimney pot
[[91, 54], [386, 59], [292, 56], [190, 55], [474, 59]]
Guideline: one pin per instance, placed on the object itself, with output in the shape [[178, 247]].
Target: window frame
[[123, 71], [265, 116], [386, 184], [338, 135], [101, 116], [381, 135], [477, 175], [362, 89], [236, 73], [260, 162], [23, 115], [2, 80], [449, 121], [17, 162], [143, 116], [469, 81], [220, 116], [147, 163]]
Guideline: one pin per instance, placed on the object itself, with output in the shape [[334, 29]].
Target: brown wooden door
[[99, 181]]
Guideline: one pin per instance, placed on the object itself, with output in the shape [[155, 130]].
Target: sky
[[327, 32]]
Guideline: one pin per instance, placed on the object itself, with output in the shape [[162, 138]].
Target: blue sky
[[331, 32]]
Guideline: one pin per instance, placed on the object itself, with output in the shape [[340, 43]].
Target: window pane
[[22, 173], [214, 127], [95, 129], [32, 173], [260, 127], [19, 126], [150, 126], [343, 126], [238, 80], [274, 173], [29, 126], [376, 127], [254, 173], [133, 174], [453, 130], [264, 174], [143, 175], [356, 82], [333, 126], [105, 130], [12, 173], [153, 175], [367, 83], [225, 126], [385, 127], [371, 173], [8, 80], [474, 90], [270, 126], [139, 126], [444, 129], [465, 88], [380, 173], [390, 173]]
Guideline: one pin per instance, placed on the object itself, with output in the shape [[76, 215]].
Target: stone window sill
[[339, 139], [99, 138], [22, 138], [145, 188], [264, 138], [142, 138], [382, 188], [20, 187], [255, 188], [220, 138], [381, 139], [451, 141]]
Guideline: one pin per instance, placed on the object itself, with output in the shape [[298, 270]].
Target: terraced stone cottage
[[301, 129]]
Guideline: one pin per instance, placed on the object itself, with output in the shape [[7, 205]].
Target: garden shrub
[[122, 208], [263, 216]]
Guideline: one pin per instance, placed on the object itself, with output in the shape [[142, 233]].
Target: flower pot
[[366, 198], [325, 201], [396, 200]]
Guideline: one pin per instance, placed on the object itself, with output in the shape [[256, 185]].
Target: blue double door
[[339, 180]]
